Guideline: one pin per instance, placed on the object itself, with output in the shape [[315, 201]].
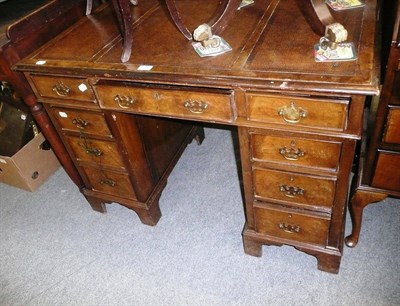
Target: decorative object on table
[[245, 3], [332, 46], [207, 44], [339, 5], [343, 52]]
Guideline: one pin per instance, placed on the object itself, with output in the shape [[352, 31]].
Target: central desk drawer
[[171, 102]]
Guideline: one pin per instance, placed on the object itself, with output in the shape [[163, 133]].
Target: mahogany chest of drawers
[[298, 121], [378, 173]]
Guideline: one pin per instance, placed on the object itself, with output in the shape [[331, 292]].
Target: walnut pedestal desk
[[125, 124]]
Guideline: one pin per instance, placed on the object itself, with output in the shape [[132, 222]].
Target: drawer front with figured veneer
[[387, 171], [64, 88], [317, 154], [392, 128], [89, 150], [314, 192], [395, 92], [212, 106], [109, 182], [291, 225], [329, 114], [71, 120]]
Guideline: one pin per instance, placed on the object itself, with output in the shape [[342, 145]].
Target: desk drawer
[[387, 174], [171, 102], [57, 87], [110, 182], [317, 154], [91, 123], [320, 113], [294, 188], [392, 128], [396, 84], [99, 152], [292, 225]]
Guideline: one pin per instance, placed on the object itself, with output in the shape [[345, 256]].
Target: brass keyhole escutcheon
[[156, 95]]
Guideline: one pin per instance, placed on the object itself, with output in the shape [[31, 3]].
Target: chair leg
[[218, 22], [124, 17], [89, 7]]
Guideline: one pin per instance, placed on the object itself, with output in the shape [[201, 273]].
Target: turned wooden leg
[[150, 216], [50, 133], [252, 247], [328, 263], [96, 204], [359, 201]]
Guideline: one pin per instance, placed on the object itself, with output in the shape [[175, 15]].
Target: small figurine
[[335, 33], [203, 34]]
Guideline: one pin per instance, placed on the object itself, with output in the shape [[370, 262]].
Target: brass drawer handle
[[109, 182], [291, 191], [96, 152], [80, 123], [291, 153], [291, 229], [292, 113], [61, 89], [195, 107], [88, 149], [124, 101]]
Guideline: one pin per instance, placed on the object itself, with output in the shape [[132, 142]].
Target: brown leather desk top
[[272, 48]]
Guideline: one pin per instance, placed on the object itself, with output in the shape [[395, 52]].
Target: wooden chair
[[124, 17], [316, 12]]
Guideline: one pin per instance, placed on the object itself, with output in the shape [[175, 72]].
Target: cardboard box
[[16, 128], [30, 167]]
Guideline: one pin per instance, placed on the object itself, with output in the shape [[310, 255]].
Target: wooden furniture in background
[[23, 37], [298, 121], [379, 165]]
